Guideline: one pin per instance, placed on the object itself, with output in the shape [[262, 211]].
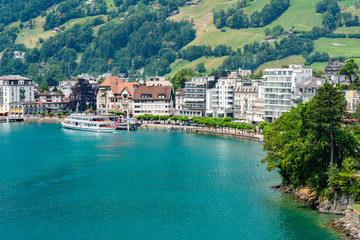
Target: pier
[[5, 119]]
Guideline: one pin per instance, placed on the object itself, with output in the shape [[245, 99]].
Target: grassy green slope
[[301, 15], [345, 47]]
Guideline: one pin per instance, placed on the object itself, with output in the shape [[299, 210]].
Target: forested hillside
[[140, 38]]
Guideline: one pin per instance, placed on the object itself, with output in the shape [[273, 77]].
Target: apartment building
[[195, 96], [279, 85], [155, 100], [220, 98]]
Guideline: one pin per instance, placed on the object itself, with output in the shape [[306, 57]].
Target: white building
[[279, 85], [195, 96], [179, 101], [15, 88], [220, 98], [155, 100], [66, 86], [248, 104]]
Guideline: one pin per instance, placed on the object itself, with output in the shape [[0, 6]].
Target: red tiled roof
[[117, 85], [154, 91]]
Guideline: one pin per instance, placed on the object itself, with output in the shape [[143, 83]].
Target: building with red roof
[[115, 95]]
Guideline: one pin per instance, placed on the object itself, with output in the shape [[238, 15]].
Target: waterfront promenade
[[225, 132]]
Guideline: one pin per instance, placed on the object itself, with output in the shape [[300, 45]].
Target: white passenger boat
[[89, 123]]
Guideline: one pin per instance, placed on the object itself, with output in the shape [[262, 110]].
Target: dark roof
[[154, 91], [311, 82], [180, 92]]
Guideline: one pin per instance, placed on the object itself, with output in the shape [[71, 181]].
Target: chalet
[[268, 37], [176, 12], [56, 30], [114, 94], [156, 5], [41, 65]]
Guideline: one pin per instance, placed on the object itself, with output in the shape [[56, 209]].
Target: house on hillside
[[176, 12], [332, 70], [268, 37], [18, 54]]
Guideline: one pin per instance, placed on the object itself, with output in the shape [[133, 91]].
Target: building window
[[146, 96]]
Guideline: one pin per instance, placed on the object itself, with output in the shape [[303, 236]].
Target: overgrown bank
[[312, 148]]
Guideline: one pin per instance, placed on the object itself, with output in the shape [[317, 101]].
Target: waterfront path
[[225, 132]]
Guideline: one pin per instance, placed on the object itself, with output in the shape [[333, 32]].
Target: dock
[[11, 119], [125, 126]]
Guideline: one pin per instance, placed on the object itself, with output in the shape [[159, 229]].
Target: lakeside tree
[[83, 96], [350, 70], [180, 77], [309, 144]]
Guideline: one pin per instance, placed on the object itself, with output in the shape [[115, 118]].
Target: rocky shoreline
[[349, 225]]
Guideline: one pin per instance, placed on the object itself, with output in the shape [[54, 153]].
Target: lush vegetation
[[311, 146], [236, 18], [253, 55], [209, 122]]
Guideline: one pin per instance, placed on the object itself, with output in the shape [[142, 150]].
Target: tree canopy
[[310, 145]]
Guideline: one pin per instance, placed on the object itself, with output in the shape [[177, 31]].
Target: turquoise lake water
[[67, 184]]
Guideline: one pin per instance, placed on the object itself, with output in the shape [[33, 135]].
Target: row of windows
[[152, 111]]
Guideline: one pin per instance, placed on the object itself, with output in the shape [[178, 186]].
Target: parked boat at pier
[[89, 123]]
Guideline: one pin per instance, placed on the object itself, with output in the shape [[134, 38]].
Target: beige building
[[248, 105], [155, 100], [115, 92], [352, 98], [157, 81]]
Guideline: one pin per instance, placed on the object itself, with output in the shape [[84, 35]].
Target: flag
[[39, 102], [116, 106], [115, 123]]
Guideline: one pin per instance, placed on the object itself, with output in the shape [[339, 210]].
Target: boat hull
[[81, 128]]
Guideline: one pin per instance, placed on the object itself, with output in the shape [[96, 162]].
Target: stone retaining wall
[[191, 129]]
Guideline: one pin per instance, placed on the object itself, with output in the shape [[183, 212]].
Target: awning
[[3, 112]]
